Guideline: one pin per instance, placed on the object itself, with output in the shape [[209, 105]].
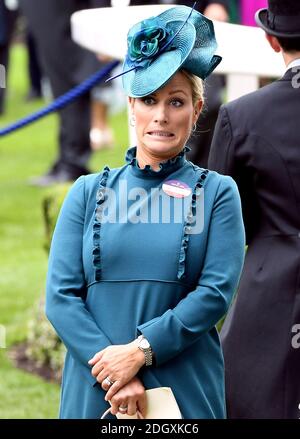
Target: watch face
[[144, 344]]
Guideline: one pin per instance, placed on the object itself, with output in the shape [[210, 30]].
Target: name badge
[[176, 188]]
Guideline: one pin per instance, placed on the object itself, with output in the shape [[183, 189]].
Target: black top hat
[[281, 19]]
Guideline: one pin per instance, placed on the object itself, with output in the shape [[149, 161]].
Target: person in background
[[8, 17], [101, 135], [66, 65], [34, 69], [256, 141]]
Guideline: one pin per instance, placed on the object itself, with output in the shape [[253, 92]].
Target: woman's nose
[[161, 114]]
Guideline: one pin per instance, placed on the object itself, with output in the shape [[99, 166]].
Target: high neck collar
[[166, 167]]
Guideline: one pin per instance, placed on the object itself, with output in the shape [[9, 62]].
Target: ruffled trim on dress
[[187, 225], [100, 198], [164, 167]]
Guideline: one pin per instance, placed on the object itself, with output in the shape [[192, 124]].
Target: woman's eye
[[177, 102], [148, 101]]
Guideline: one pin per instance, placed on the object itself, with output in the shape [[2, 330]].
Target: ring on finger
[[107, 381], [123, 408]]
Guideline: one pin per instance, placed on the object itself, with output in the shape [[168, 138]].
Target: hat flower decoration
[[178, 38], [145, 44]]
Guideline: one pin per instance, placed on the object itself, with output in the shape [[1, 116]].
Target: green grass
[[23, 261]]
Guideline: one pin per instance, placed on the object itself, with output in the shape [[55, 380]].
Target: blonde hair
[[197, 86]]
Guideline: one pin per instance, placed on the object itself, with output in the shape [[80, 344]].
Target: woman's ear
[[131, 103], [197, 110]]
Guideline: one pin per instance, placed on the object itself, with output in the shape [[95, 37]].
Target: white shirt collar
[[294, 63]]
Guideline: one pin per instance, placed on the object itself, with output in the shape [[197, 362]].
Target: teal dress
[[124, 262]]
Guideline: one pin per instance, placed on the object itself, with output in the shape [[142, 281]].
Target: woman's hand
[[132, 396], [119, 363]]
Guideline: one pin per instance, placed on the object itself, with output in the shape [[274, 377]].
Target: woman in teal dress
[[145, 258]]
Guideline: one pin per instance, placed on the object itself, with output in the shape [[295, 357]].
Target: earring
[[194, 127], [132, 120]]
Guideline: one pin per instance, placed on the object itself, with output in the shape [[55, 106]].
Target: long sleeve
[[65, 285], [201, 309], [229, 155], [220, 159]]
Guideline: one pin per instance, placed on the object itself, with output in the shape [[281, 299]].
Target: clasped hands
[[115, 368]]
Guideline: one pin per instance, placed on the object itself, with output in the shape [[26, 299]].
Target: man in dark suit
[[66, 65], [256, 141]]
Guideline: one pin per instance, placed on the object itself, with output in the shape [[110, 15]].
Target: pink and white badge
[[176, 188]]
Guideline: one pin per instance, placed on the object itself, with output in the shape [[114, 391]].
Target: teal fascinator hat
[[179, 38]]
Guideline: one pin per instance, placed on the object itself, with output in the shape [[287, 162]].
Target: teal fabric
[[178, 38], [108, 282]]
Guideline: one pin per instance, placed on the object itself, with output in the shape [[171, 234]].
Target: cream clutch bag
[[161, 405]]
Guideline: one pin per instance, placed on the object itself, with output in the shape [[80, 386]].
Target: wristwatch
[[144, 345]]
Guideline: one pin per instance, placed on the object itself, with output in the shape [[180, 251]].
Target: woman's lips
[[160, 134]]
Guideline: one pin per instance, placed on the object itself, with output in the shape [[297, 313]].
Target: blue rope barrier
[[62, 100]]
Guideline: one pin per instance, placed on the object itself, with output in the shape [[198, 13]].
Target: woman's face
[[164, 119]]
